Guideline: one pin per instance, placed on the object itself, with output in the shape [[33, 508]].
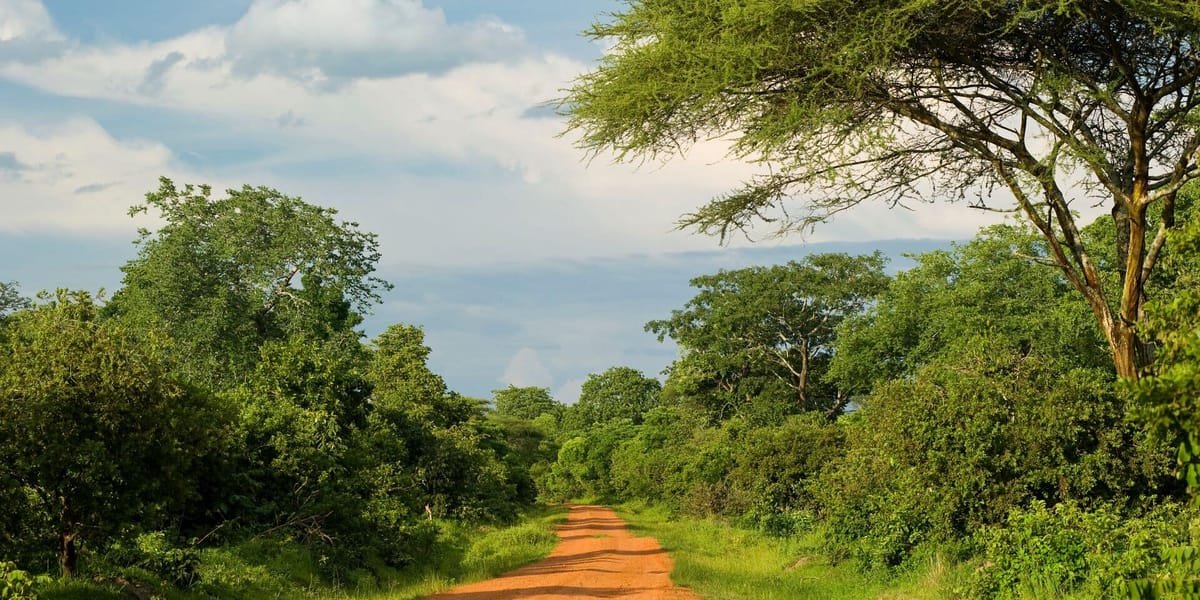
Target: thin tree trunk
[[67, 555]]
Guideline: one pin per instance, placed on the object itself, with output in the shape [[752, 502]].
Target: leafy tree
[[1058, 102], [989, 286], [618, 393], [753, 328], [454, 458], [1168, 399], [526, 403], [94, 423], [584, 461], [10, 299], [225, 275], [299, 411]]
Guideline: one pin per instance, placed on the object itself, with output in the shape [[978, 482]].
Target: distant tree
[[524, 402], [1058, 102], [10, 299], [94, 423], [618, 393], [224, 275], [753, 328]]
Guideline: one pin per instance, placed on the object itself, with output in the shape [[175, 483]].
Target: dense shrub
[[1043, 552], [967, 439]]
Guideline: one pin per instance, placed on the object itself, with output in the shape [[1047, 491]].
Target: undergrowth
[[279, 568]]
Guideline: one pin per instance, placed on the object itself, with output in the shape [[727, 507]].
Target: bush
[[1044, 552], [158, 555], [16, 584], [971, 437]]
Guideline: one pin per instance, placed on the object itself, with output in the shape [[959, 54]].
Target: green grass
[[277, 570], [722, 562]]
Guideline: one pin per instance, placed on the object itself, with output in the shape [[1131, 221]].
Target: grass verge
[[278, 570], [722, 562]]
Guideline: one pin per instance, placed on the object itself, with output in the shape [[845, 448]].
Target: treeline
[[223, 394], [964, 411]]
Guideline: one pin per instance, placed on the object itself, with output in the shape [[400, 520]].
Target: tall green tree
[[224, 275], [526, 403], [95, 423], [1058, 102], [753, 328], [618, 393]]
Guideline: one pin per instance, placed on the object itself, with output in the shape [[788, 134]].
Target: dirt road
[[596, 557]]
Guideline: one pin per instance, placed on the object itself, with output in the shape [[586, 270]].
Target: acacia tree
[[1061, 102]]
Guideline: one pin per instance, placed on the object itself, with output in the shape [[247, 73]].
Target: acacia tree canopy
[[895, 100]]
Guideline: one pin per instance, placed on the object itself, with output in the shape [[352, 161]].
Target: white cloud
[[75, 176], [525, 369], [361, 38], [26, 20], [502, 187]]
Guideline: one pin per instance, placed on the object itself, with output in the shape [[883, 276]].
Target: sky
[[427, 123]]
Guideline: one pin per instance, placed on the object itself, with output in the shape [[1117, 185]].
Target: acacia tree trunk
[[1124, 344]]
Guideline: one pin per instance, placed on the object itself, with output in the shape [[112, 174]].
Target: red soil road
[[596, 557]]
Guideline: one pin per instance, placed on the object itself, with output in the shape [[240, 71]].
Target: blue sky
[[525, 263]]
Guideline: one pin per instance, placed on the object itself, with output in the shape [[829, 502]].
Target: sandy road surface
[[596, 558]]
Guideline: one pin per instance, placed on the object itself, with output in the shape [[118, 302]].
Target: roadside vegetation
[[953, 430], [218, 427], [1014, 417]]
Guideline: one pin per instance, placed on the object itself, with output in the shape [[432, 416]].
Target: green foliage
[[16, 584], [526, 403], [898, 101], [455, 459], [967, 438], [763, 336], [988, 287], [1168, 399], [778, 467], [94, 424], [11, 300], [1041, 552], [583, 467], [299, 409], [717, 560], [225, 275], [159, 555], [618, 393]]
